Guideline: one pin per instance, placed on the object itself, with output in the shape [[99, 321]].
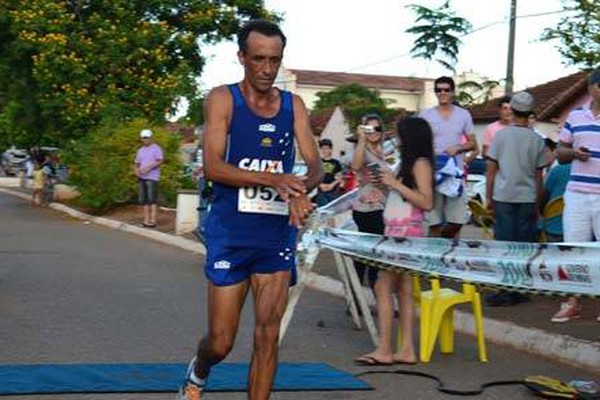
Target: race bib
[[262, 200]]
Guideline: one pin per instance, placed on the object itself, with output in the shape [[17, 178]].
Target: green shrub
[[101, 165]]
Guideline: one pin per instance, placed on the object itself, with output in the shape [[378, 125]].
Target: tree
[[578, 32], [471, 92], [356, 101], [438, 34], [83, 61]]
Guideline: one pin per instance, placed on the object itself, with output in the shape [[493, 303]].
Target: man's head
[[594, 84], [326, 148], [504, 111], [261, 45], [522, 105], [444, 90], [146, 136]]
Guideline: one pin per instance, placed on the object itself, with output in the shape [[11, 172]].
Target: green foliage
[[578, 32], [471, 92], [102, 165], [356, 101], [66, 66], [438, 34]]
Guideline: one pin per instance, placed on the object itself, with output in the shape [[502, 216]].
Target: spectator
[[581, 216], [49, 172], [411, 193], [368, 209], [332, 184], [554, 187], [505, 117], [148, 159], [449, 124], [39, 181], [514, 183]]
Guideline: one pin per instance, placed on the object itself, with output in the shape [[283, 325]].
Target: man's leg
[[456, 214], [435, 217], [153, 200], [224, 309], [577, 227], [270, 293]]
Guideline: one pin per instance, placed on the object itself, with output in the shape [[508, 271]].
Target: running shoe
[[567, 312], [193, 386]]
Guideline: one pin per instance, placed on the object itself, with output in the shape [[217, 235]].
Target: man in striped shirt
[[580, 144]]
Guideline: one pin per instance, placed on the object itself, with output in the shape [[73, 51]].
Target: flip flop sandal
[[370, 361]]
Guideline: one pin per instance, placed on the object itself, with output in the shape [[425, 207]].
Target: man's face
[[505, 113], [261, 60], [325, 151], [444, 93], [146, 141]]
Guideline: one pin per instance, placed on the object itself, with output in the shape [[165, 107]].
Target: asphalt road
[[72, 292]]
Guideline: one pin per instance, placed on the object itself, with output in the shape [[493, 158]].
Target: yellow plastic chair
[[482, 217], [552, 209], [437, 317]]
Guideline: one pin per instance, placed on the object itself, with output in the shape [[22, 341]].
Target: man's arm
[[218, 109], [539, 186], [491, 169], [566, 153]]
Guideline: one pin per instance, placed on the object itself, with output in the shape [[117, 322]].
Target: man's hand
[[288, 186], [300, 209], [582, 154], [490, 206], [453, 150]]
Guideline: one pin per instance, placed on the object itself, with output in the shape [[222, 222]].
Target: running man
[[258, 204]]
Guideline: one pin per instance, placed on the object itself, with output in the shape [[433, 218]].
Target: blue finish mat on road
[[20, 379]]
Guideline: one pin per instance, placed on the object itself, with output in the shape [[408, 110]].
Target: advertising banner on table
[[548, 268]]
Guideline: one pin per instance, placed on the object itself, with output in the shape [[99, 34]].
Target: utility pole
[[511, 48]]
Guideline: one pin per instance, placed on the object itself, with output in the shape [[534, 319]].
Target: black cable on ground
[[441, 387]]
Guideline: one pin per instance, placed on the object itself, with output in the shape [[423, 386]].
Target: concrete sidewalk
[[525, 326]]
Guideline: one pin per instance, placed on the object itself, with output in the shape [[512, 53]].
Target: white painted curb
[[577, 352]]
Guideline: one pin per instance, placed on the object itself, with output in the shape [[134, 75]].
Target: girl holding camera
[[367, 211]]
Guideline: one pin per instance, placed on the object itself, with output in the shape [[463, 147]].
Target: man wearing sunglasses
[[450, 125]]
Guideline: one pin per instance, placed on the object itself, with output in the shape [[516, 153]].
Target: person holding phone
[[367, 211], [580, 145]]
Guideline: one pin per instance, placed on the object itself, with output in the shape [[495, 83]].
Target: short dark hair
[[521, 114], [445, 79], [261, 26], [325, 142], [503, 100]]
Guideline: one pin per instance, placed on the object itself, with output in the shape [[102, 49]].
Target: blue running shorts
[[228, 265]]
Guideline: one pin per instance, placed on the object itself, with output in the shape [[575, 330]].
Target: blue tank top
[[254, 216]]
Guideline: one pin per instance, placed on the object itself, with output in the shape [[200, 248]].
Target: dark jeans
[[515, 222], [368, 222]]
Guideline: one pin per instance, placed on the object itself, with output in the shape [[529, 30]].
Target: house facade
[[554, 101], [409, 93]]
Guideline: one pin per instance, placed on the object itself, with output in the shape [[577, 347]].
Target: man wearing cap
[[329, 188], [580, 144], [514, 169], [147, 169]]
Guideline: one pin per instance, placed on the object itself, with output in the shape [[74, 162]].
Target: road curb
[[577, 352]]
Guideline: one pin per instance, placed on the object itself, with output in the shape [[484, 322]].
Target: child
[[39, 180], [411, 194]]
